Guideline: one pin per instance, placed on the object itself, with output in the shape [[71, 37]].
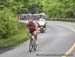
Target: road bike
[[33, 45]]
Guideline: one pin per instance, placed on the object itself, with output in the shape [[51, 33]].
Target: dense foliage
[[53, 8], [8, 24], [8, 19]]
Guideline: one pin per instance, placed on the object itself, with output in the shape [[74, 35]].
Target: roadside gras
[[20, 37]]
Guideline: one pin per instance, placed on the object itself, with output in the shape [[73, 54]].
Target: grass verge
[[20, 37]]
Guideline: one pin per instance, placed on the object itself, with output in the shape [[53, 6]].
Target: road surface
[[55, 42]]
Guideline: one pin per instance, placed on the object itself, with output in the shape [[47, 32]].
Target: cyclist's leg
[[35, 34], [30, 34]]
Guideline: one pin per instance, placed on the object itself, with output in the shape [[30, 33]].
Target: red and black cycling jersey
[[31, 26]]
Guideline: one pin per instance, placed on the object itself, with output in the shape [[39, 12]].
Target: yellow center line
[[70, 50], [73, 46]]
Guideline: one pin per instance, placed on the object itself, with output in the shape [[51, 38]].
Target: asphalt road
[[55, 42]]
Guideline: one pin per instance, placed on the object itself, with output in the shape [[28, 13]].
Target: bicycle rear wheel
[[30, 47], [35, 45]]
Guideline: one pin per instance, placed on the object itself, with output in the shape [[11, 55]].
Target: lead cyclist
[[32, 28]]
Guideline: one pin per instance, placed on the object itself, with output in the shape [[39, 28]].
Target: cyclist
[[32, 30]]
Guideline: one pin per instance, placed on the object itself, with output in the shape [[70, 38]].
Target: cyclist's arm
[[27, 28]]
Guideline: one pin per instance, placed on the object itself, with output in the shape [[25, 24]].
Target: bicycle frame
[[32, 46]]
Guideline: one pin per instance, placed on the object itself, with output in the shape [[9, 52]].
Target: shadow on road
[[5, 49]]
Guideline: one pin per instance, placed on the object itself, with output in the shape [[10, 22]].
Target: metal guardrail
[[62, 19]]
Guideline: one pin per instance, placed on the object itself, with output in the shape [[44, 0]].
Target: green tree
[[8, 24]]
